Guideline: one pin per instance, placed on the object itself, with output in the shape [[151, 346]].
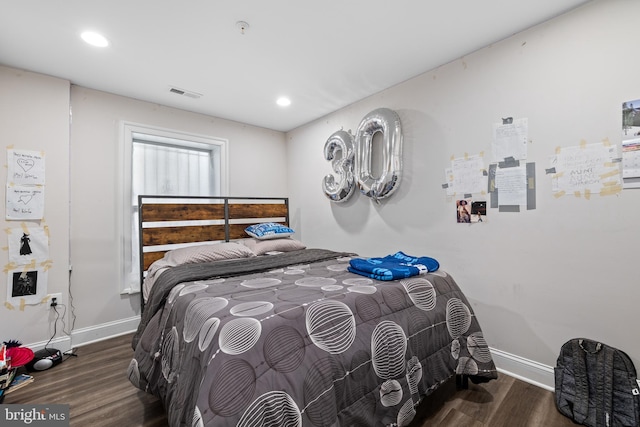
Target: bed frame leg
[[462, 382]]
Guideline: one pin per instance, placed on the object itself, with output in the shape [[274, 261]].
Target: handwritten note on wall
[[512, 185], [25, 185], [25, 202], [585, 169], [510, 139], [25, 167], [466, 175]]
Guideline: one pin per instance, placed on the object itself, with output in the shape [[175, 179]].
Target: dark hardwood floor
[[96, 387]]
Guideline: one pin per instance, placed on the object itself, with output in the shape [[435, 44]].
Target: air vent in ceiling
[[184, 92]]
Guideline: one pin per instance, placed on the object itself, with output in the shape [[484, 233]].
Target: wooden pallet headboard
[[166, 221]]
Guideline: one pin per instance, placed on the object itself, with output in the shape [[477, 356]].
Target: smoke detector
[[242, 26]]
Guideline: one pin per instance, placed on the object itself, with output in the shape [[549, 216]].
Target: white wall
[[82, 195], [256, 164], [535, 278], [34, 115]]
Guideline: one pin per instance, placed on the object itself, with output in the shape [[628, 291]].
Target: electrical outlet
[[58, 298]]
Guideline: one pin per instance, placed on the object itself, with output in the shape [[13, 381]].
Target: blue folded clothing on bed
[[392, 267]]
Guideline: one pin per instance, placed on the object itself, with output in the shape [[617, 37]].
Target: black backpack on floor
[[596, 385]]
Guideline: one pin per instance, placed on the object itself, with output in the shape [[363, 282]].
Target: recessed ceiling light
[[94, 39], [283, 101]]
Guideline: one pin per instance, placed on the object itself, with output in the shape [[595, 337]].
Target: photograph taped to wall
[[631, 144], [26, 286], [25, 167], [28, 244], [24, 202], [463, 211], [470, 212], [478, 211]]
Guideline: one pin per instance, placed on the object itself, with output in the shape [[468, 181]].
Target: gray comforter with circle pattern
[[296, 340]]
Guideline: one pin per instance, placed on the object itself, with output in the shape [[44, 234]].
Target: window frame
[[129, 277]]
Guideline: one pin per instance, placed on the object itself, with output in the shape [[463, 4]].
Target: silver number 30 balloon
[[357, 163]]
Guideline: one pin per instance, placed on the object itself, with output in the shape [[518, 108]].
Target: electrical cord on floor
[[70, 352]]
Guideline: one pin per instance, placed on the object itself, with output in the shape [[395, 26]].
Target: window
[[162, 162]]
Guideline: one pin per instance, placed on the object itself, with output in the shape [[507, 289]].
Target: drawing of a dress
[[25, 248]]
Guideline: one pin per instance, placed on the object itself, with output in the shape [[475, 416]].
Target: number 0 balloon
[[387, 122]]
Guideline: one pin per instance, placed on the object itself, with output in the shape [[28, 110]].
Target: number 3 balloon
[[355, 163], [340, 142]]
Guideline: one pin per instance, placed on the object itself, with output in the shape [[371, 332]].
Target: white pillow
[[207, 252], [193, 254], [268, 230]]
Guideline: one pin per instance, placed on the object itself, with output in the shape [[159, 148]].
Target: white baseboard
[[523, 369], [84, 336], [91, 334], [61, 343]]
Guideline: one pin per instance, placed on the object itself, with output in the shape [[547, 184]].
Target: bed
[[284, 335]]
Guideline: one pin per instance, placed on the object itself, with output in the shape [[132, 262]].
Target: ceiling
[[323, 55]]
